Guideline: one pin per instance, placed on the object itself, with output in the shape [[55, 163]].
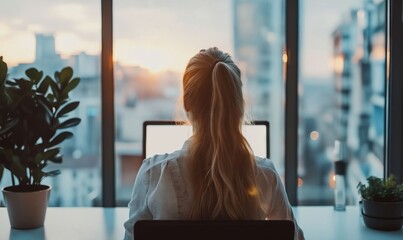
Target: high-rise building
[[46, 57], [359, 54], [258, 50], [44, 47]]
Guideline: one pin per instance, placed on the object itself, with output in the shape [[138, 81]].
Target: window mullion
[[107, 108], [291, 99]]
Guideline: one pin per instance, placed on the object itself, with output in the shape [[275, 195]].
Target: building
[[359, 74], [46, 57], [258, 48]]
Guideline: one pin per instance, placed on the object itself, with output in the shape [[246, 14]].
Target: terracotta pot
[[26, 205]]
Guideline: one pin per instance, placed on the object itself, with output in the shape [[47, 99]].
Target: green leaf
[[3, 71], [51, 98], [44, 85], [69, 123], [34, 74], [56, 159], [49, 154], [24, 85], [57, 76], [9, 125], [11, 82], [51, 173], [5, 98], [60, 138], [18, 169], [72, 84], [37, 175], [13, 164], [68, 108], [65, 76], [1, 171], [55, 89], [44, 103]]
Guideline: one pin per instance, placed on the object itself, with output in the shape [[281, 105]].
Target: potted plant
[[382, 203], [33, 119]]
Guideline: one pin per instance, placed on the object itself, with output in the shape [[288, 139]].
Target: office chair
[[214, 230]]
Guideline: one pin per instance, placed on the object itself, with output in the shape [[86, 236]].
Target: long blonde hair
[[222, 166]]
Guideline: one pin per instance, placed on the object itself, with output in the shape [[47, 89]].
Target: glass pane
[[50, 35], [152, 52], [342, 95]]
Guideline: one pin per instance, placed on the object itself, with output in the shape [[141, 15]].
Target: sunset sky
[[158, 34]]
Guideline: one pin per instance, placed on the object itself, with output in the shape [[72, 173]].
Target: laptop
[[161, 137], [214, 230]]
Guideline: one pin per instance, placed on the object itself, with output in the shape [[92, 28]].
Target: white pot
[[26, 205]]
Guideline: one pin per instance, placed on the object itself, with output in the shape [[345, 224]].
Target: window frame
[[291, 100], [107, 107], [393, 150], [394, 87]]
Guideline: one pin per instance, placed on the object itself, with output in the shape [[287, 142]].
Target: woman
[[215, 175]]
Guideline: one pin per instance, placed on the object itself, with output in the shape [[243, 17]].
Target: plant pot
[[382, 209], [26, 205], [383, 215], [384, 224]]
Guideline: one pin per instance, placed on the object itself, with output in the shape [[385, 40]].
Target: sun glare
[[154, 59]]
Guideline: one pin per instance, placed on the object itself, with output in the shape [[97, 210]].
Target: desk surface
[[107, 224]]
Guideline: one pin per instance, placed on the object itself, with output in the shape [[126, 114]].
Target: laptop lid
[[214, 230], [161, 137]]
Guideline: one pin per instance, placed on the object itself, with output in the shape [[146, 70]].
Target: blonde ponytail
[[222, 166]]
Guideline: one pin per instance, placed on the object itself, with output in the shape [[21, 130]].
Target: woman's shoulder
[[265, 163], [160, 160], [266, 166]]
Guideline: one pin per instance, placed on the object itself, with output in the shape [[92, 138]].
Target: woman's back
[[216, 175], [165, 179]]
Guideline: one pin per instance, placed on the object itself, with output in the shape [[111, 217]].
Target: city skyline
[[162, 40], [134, 44]]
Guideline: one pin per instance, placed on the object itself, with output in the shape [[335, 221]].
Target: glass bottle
[[340, 178]]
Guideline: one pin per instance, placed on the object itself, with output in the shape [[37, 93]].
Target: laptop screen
[[161, 137]]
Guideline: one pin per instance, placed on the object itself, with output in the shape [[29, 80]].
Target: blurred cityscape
[[348, 107]]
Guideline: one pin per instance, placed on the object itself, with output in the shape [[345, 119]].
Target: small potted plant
[[33, 119], [382, 203]]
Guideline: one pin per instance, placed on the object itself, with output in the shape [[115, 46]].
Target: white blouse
[[160, 191]]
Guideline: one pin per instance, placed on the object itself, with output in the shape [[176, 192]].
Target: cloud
[[72, 12], [68, 43], [4, 30], [177, 28], [19, 48]]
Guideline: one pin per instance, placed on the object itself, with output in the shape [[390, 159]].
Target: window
[[149, 60], [151, 56], [343, 95], [67, 35], [152, 43], [341, 90]]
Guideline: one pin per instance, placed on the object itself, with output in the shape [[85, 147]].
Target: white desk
[[107, 224], [327, 224]]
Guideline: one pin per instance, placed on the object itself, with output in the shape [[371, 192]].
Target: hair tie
[[215, 63]]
